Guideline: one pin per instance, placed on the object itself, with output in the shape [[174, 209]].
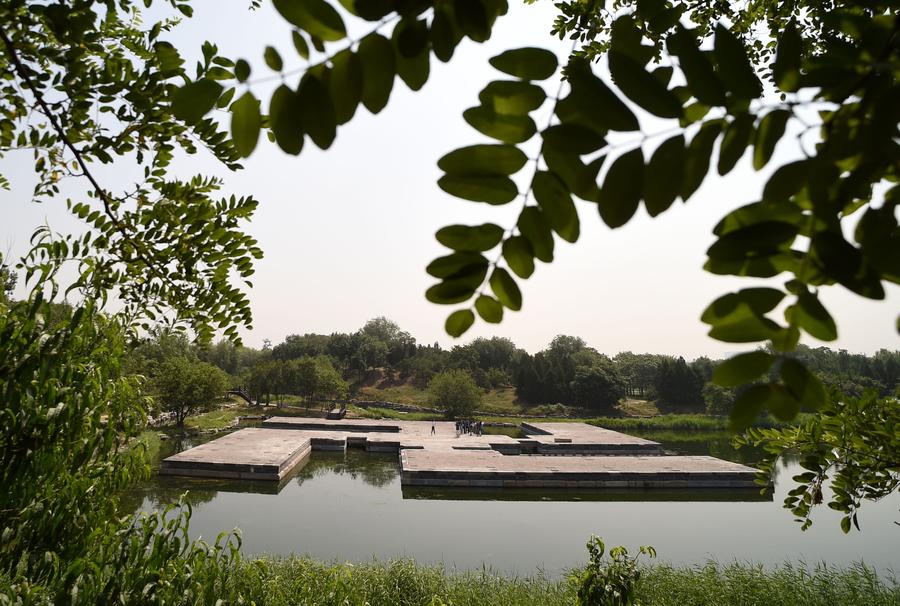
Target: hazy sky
[[347, 233]]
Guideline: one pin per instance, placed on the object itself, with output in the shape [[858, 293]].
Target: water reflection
[[374, 469]]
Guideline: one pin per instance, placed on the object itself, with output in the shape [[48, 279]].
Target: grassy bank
[[303, 581]]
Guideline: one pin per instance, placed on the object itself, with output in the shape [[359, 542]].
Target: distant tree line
[[568, 371]]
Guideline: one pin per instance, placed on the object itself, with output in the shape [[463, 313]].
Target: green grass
[[295, 580], [221, 418]]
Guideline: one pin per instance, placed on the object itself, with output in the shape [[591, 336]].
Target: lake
[[350, 507]]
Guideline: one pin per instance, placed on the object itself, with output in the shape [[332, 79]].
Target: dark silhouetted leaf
[[346, 84], [300, 44], [662, 182], [450, 265], [512, 97], [786, 181], [556, 203], [377, 57], [735, 141], [573, 138], [536, 228], [489, 309], [733, 66], [757, 240], [273, 59], [459, 322], [314, 16], [414, 71], [642, 87], [742, 369], [503, 127], [284, 120], [412, 39], [526, 63], [803, 386], [786, 69], [316, 111], [771, 128], [698, 71], [472, 238], [472, 19], [698, 156], [451, 291], [241, 70], [622, 187], [591, 103], [493, 190], [192, 101], [444, 37], [245, 124], [483, 160], [519, 256], [506, 289]]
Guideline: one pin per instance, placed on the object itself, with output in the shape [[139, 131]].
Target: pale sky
[[347, 233]]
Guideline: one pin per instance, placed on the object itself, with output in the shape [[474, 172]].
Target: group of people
[[470, 427]]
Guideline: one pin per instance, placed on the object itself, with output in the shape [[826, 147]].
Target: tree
[[678, 387], [184, 386], [598, 387], [455, 392]]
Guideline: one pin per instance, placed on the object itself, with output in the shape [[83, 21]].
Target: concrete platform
[[248, 454], [582, 456], [493, 470]]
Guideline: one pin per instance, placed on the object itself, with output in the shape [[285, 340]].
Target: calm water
[[351, 507]]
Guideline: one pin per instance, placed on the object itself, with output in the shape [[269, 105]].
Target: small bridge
[[242, 393]]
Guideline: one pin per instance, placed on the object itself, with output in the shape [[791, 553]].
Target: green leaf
[[452, 291], [300, 44], [412, 37], [642, 87], [573, 138], [273, 59], [377, 57], [733, 66], [786, 69], [526, 63], [556, 203], [757, 240], [581, 179], [472, 238], [241, 70], [699, 153], [346, 84], [742, 369], [592, 104], [483, 160], [444, 36], [414, 71], [843, 262], [374, 10], [519, 256], [503, 127], [284, 120], [786, 181], [245, 123], [493, 190], [622, 187], [698, 71], [472, 19], [316, 111], [754, 400], [192, 101], [812, 317], [459, 322], [735, 141], [665, 170], [803, 385], [739, 317], [771, 129], [758, 212], [317, 17], [506, 289], [512, 97], [489, 309], [459, 262], [535, 226]]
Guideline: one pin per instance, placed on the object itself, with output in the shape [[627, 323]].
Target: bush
[[454, 391], [612, 582]]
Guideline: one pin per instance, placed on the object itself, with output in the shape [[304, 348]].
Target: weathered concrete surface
[[491, 469], [583, 439], [444, 458], [248, 454]]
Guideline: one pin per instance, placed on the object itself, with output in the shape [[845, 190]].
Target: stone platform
[[552, 455], [493, 470]]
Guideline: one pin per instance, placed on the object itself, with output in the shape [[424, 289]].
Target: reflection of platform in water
[[468, 493], [552, 455]]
